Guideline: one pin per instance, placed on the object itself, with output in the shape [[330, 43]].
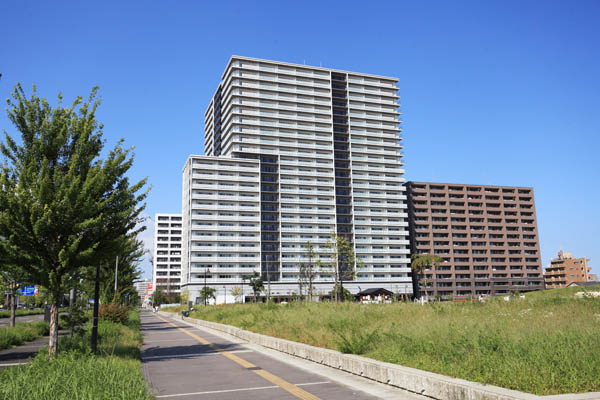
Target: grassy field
[[22, 333], [76, 374], [548, 343]]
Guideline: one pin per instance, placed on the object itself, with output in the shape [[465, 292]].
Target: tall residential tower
[[295, 154], [166, 260]]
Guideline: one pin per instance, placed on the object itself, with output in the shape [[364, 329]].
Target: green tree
[[308, 272], [10, 278], [130, 251], [336, 291], [62, 207], [159, 297], [344, 264], [207, 293], [185, 298], [237, 293], [257, 284], [76, 317], [419, 263]]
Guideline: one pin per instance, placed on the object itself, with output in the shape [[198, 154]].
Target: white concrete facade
[[166, 260], [221, 216], [319, 151]]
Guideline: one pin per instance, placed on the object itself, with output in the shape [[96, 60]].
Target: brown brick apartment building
[[486, 236], [565, 269]]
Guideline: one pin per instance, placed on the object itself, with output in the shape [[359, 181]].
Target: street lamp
[[206, 271]]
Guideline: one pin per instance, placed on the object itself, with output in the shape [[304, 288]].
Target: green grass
[[22, 333], [76, 374], [548, 343]]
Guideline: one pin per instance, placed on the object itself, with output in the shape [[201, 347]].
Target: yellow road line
[[274, 379]]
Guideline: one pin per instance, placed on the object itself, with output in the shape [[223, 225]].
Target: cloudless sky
[[492, 92]]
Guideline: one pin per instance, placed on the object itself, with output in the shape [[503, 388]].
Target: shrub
[[353, 341], [74, 319], [114, 312]]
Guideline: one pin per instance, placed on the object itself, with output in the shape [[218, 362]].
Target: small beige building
[[565, 269]]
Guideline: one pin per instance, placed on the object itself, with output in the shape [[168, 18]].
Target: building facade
[[143, 289], [295, 154], [166, 260], [486, 237], [566, 269]]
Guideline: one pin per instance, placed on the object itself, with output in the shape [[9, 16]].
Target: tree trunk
[[53, 340], [12, 306]]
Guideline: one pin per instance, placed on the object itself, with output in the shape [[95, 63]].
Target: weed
[[353, 341]]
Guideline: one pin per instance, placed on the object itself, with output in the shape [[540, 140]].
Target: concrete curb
[[413, 380]]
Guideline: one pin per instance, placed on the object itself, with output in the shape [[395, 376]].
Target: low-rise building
[[566, 269]]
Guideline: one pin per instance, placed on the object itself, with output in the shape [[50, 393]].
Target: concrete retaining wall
[[414, 380]]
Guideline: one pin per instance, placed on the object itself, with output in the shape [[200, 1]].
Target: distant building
[[486, 236], [143, 288], [166, 261], [565, 269]]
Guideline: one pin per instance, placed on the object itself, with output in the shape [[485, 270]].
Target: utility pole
[[71, 298], [206, 271], [242, 276], [116, 273], [95, 315], [268, 284]]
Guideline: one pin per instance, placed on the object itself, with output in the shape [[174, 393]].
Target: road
[[25, 318], [187, 362]]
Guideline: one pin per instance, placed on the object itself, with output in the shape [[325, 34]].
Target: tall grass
[[548, 343], [76, 374], [72, 376], [22, 333]]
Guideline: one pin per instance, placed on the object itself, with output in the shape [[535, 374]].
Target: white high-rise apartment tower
[[294, 153], [166, 260]]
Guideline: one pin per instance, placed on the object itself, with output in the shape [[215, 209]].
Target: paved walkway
[[21, 354], [186, 362]]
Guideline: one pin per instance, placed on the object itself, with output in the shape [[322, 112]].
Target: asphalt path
[[21, 354], [186, 362]]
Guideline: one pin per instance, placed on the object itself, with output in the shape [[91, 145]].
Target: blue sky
[[492, 92]]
